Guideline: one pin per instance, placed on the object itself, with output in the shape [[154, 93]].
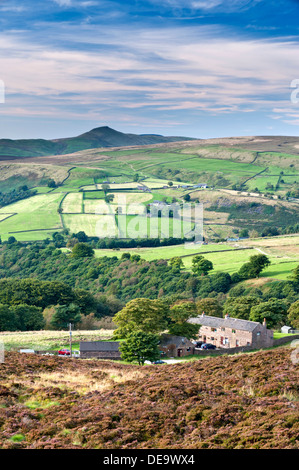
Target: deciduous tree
[[201, 265], [140, 347]]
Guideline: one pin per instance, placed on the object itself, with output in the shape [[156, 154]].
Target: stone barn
[[100, 349], [175, 346]]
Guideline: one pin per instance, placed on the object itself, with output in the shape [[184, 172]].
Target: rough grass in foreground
[[246, 401]]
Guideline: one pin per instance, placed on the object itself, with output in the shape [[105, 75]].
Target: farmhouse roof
[[99, 345], [216, 322]]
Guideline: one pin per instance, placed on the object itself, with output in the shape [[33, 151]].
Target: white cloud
[[63, 3], [160, 69]]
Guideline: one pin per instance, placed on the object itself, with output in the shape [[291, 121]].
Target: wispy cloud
[[212, 75], [63, 3], [129, 62]]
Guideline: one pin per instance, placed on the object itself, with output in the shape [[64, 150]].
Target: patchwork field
[[72, 203], [38, 214], [94, 225], [239, 194]]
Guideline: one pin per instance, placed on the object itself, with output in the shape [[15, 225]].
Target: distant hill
[[99, 137]]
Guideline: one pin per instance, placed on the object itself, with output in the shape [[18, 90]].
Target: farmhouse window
[[233, 331], [222, 329], [214, 329]]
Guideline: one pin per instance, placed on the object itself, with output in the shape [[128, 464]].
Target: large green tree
[[176, 262], [30, 317], [274, 311], [9, 321], [179, 315], [201, 265], [149, 316], [82, 250], [21, 318], [240, 307], [140, 347], [65, 314], [209, 306], [35, 292], [254, 267], [293, 315], [295, 274]]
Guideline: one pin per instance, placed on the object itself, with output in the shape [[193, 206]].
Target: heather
[[229, 402]]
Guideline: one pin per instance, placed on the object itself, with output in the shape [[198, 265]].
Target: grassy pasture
[[93, 195], [94, 225], [38, 213], [79, 177], [5, 216], [226, 261], [216, 165], [280, 269], [126, 198], [151, 227], [166, 252], [97, 206], [115, 186], [49, 339], [72, 203]]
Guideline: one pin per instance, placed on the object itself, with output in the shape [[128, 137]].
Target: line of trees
[[15, 195]]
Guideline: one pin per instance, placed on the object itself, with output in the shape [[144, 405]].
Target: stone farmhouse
[[233, 332]]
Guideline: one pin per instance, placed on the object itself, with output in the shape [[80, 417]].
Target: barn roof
[[99, 346]]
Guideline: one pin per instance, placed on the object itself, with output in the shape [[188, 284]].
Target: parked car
[[208, 346], [64, 352], [159, 362], [198, 344]]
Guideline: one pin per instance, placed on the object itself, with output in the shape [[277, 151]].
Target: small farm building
[[100, 349]]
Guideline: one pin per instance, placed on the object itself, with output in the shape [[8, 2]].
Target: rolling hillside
[[96, 138], [253, 184]]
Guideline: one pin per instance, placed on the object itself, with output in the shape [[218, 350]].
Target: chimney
[[203, 314], [226, 316], [265, 323]]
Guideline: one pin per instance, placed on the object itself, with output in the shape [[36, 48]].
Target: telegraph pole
[[70, 326]]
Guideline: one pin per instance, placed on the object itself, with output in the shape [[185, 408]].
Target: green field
[[220, 166], [166, 252], [93, 225], [33, 217], [229, 261], [72, 203]]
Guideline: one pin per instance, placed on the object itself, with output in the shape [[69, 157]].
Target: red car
[[64, 352]]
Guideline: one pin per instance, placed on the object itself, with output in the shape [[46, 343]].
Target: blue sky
[[192, 68]]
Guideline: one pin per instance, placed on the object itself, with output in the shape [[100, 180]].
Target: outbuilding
[[175, 346], [100, 350]]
